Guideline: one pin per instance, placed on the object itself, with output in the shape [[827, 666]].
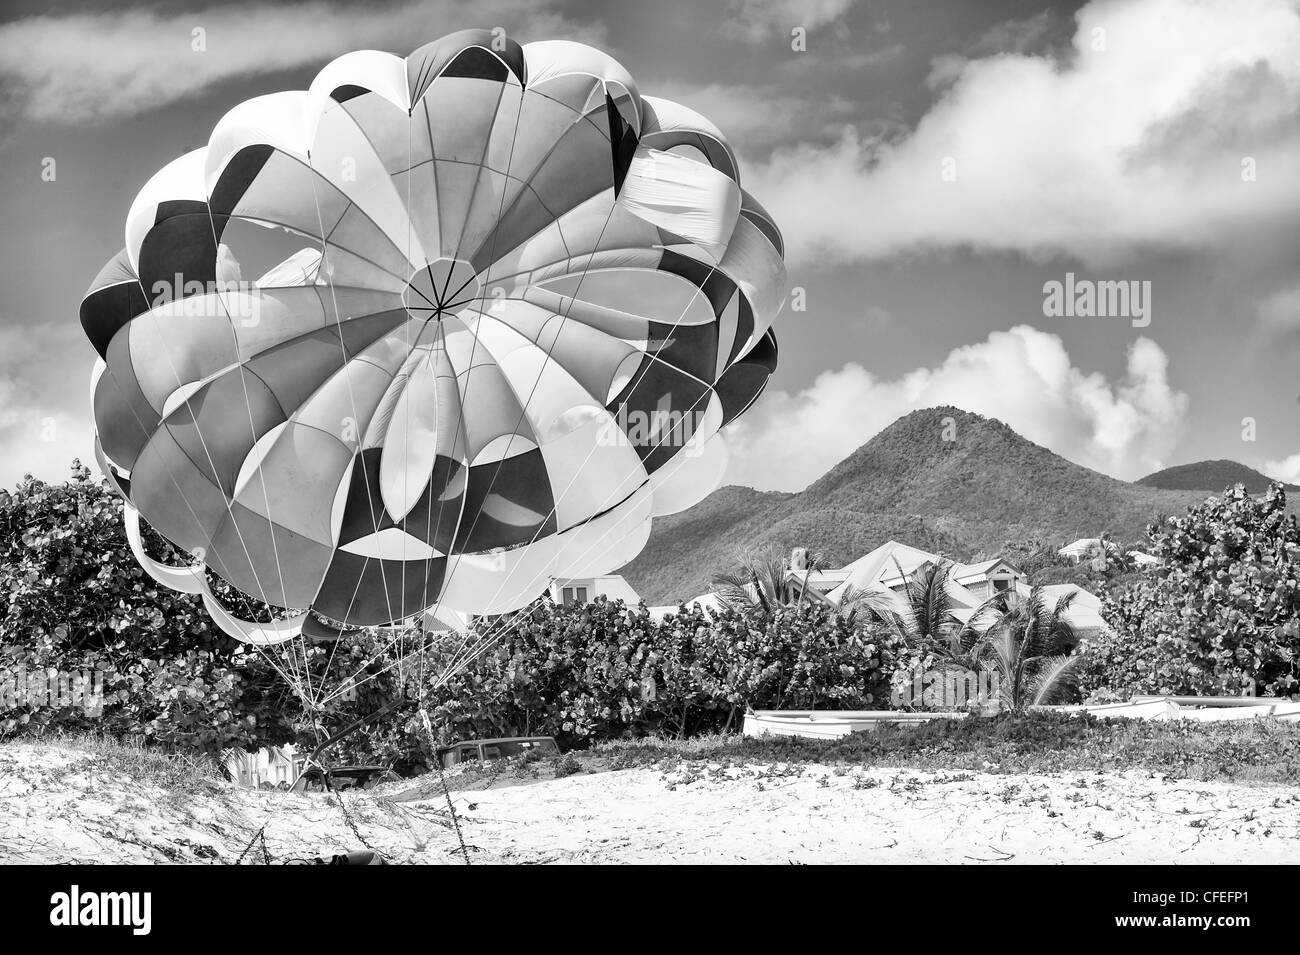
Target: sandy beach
[[60, 806]]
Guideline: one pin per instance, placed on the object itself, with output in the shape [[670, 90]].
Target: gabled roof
[[965, 572], [879, 570], [1083, 545], [818, 580], [1084, 614], [877, 566]]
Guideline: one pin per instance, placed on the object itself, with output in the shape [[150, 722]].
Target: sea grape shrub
[[1219, 613], [75, 600], [606, 671]]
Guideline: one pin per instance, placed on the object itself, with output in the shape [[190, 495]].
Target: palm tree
[[925, 617], [762, 579], [1032, 650]]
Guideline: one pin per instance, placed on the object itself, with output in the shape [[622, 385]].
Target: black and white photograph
[[740, 432]]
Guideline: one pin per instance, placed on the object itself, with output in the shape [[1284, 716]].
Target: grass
[[132, 760], [1260, 751], [1263, 751]]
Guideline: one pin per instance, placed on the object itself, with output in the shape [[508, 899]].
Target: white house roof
[[819, 580], [1084, 614], [1079, 547], [878, 567], [965, 572], [879, 570]]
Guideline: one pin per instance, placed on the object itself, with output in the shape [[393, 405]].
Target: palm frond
[[879, 605], [1052, 677], [734, 589]]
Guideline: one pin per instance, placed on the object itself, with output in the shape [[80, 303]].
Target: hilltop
[[1210, 476], [960, 497]]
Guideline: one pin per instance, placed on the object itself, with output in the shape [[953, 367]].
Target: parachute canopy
[[431, 333]]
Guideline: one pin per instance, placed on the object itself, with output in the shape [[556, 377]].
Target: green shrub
[[76, 600], [1220, 613], [605, 671]]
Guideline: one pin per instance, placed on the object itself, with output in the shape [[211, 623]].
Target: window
[[572, 595], [1001, 583]]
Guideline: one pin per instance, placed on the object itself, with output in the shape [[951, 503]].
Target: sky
[[933, 166]]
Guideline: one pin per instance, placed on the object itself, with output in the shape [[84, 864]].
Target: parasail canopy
[[431, 333]]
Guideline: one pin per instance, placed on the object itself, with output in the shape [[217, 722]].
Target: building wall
[[609, 586]]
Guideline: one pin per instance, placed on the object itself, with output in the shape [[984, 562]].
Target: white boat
[[1225, 714], [830, 724], [1158, 708], [1287, 712]]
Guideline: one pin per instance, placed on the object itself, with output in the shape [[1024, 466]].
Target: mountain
[[1211, 476], [960, 497]]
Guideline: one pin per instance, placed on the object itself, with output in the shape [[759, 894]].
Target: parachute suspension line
[[252, 431], [506, 627], [313, 175], [172, 477], [658, 443], [478, 646], [460, 425], [338, 319], [442, 341], [468, 652], [463, 395]]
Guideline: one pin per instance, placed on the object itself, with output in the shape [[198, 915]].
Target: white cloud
[[1096, 153], [44, 402], [1288, 469], [97, 66], [756, 20], [1123, 428]]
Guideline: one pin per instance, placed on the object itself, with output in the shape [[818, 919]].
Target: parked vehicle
[[312, 779], [487, 749]]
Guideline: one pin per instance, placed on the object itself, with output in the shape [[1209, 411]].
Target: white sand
[[52, 810]]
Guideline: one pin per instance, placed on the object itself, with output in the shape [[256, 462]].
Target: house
[[583, 590], [272, 765], [1086, 548], [890, 565], [1079, 550]]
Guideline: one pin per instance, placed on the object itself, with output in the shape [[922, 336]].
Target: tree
[[76, 601], [1218, 614], [925, 617], [1032, 649], [762, 579]]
